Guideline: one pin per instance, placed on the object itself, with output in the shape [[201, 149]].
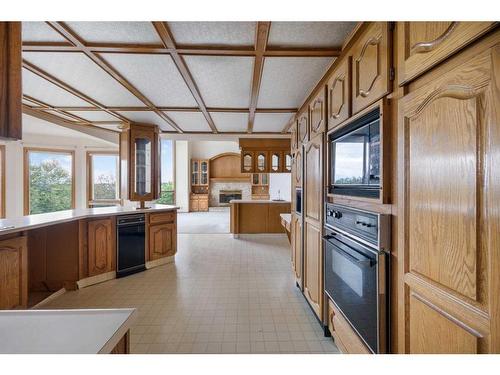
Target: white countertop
[[286, 217], [63, 331], [42, 220], [256, 201]]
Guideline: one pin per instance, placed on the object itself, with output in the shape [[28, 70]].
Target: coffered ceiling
[[185, 77]]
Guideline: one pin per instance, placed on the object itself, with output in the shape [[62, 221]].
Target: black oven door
[[351, 281]]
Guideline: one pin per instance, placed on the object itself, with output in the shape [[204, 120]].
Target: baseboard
[[50, 298], [160, 262], [88, 281]]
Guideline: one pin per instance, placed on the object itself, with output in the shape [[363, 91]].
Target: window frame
[[173, 169], [90, 200], [2, 181], [26, 172]]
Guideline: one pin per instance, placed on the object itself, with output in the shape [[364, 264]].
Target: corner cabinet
[[371, 78], [425, 44], [140, 162], [14, 272]]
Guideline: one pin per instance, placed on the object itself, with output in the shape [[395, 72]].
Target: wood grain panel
[[13, 273], [303, 127], [100, 247], [162, 217], [296, 242], [428, 43], [299, 170], [314, 179], [162, 241], [317, 114], [339, 94], [313, 268]]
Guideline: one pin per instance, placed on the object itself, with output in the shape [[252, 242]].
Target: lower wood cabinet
[[313, 268], [296, 242], [13, 273], [101, 246], [198, 202], [162, 241]]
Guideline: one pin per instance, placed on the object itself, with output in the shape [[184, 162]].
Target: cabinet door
[[264, 179], [298, 168], [339, 94], [313, 263], [294, 137], [14, 273], [195, 172], [204, 172], [261, 161], [313, 184], [276, 161], [424, 44], [450, 145], [143, 164], [296, 235], [203, 204], [317, 112], [247, 162], [101, 256], [287, 162], [162, 241], [371, 59], [194, 205], [303, 128]]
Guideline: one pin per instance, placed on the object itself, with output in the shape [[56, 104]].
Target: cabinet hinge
[[392, 74]]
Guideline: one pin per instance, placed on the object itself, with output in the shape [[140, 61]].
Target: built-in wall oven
[[356, 271], [355, 151]]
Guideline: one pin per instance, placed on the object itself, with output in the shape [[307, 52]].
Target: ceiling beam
[[74, 39], [44, 106], [166, 36], [182, 50], [261, 37]]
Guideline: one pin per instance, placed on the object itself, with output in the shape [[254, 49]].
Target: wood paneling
[[338, 91], [371, 66], [13, 273], [162, 241], [10, 80], [317, 114], [424, 44], [450, 220], [226, 165], [101, 246], [313, 268], [313, 160]]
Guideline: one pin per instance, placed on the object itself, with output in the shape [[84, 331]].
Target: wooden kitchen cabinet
[[298, 168], [317, 114], [14, 273], [261, 162], [294, 137], [338, 93], [200, 172], [101, 246], [296, 241], [313, 268], [425, 44], [247, 162], [198, 202], [260, 186], [371, 78], [449, 276], [313, 184], [303, 128], [162, 240]]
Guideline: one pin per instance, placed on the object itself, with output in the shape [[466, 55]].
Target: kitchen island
[[257, 216], [99, 331], [54, 252]]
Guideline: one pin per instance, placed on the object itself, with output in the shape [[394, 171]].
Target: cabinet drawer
[[371, 64], [162, 217], [425, 44], [346, 339]]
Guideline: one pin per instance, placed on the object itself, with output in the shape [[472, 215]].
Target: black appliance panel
[[131, 237]]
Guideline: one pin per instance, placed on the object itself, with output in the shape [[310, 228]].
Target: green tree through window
[[167, 192]]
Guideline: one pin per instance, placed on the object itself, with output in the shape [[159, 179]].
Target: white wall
[[281, 182], [182, 165], [208, 149]]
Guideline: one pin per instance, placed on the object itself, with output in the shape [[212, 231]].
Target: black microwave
[[355, 157]]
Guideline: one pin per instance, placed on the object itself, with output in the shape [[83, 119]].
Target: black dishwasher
[[130, 244]]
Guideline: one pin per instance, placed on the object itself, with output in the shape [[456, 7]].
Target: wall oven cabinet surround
[[425, 44], [357, 271], [140, 162], [371, 58], [338, 93], [449, 144], [358, 156], [268, 155]]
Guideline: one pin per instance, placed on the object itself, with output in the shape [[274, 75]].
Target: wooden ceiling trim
[[45, 106], [67, 33], [42, 74], [176, 109], [261, 37], [166, 36], [302, 52]]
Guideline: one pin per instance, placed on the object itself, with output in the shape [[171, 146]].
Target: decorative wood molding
[[424, 47], [335, 113], [369, 43]]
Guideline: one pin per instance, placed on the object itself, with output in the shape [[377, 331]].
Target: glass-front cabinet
[[204, 172], [247, 162], [276, 161], [199, 172], [288, 162], [261, 161], [195, 172]]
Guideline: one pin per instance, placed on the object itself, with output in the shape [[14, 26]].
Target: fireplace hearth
[[225, 196]]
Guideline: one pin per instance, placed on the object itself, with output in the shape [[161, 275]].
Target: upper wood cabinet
[[14, 273], [200, 172], [298, 168], [101, 246], [450, 224], [313, 184], [247, 160], [317, 113], [10, 80], [270, 155], [293, 137], [338, 91], [303, 128], [424, 44], [371, 66], [261, 162], [140, 162]]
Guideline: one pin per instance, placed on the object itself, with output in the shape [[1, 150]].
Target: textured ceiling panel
[[155, 76], [147, 117], [62, 115], [230, 122], [116, 32], [35, 125], [223, 81], [213, 33], [286, 81], [49, 93], [309, 34], [270, 122], [94, 115], [78, 71], [115, 127], [190, 121], [40, 32]]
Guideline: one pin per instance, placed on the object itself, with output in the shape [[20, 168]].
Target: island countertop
[[63, 331], [21, 223]]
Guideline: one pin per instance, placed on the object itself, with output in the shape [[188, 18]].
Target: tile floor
[[214, 221], [222, 295]]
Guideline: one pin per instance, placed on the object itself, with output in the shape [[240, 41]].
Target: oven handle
[[367, 262]]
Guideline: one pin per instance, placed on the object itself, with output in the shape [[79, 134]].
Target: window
[[48, 180], [2, 181], [103, 178], [167, 191]]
